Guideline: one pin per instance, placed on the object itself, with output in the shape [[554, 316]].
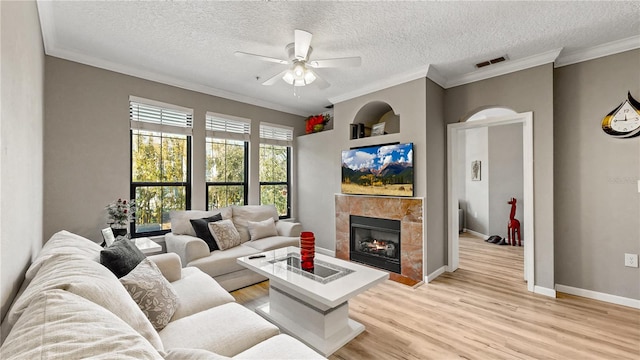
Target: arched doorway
[[486, 118]]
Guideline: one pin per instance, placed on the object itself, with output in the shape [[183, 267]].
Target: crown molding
[[504, 68], [383, 84], [436, 77], [46, 26], [595, 52], [169, 80]]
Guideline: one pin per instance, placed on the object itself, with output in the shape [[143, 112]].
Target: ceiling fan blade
[[302, 43], [274, 79], [322, 83], [337, 62], [261, 57]]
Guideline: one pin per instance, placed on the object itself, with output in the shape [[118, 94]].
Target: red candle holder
[[307, 250]]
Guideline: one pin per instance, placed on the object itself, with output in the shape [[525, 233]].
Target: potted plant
[[119, 213], [316, 123]]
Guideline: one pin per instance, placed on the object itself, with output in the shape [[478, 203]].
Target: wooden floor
[[481, 311]]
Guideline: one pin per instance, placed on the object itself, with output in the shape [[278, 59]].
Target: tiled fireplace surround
[[407, 210]]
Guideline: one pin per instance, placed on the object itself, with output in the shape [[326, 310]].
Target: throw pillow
[[121, 257], [262, 229], [152, 292], [225, 234], [201, 227]]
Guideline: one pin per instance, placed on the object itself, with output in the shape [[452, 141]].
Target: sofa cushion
[[274, 242], [64, 242], [90, 280], [180, 224], [197, 292], [243, 214], [262, 229], [152, 292], [121, 257], [61, 325], [226, 330], [201, 227], [222, 262], [279, 347], [191, 354], [225, 234]]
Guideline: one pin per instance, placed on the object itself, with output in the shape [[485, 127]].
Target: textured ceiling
[[192, 43]]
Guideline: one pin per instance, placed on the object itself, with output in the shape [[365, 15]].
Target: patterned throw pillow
[[262, 229], [225, 234], [152, 292]]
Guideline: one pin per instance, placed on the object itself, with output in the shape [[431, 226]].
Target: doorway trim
[[526, 119]]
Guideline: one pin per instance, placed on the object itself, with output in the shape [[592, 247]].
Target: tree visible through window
[[226, 173], [226, 160], [275, 154], [160, 156]]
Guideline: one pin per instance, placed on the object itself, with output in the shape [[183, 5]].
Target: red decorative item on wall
[[307, 250]]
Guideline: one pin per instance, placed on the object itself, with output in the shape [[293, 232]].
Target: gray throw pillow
[[121, 257]]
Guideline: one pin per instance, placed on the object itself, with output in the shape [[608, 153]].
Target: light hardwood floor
[[481, 311]]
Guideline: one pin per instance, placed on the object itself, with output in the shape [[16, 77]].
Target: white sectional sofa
[[72, 307], [221, 264]]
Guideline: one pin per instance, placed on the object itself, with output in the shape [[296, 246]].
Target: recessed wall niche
[[372, 115]]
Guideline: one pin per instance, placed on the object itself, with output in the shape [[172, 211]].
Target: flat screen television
[[378, 170]]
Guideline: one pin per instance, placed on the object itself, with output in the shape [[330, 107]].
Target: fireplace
[[375, 242]]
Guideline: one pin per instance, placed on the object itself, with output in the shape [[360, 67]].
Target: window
[[275, 167], [160, 163], [227, 158]]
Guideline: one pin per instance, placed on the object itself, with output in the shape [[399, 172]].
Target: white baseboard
[[475, 233], [614, 299], [544, 291], [429, 278], [327, 252]]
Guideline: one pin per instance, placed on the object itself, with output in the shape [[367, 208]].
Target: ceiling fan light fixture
[[309, 76], [299, 70], [299, 75], [289, 77]]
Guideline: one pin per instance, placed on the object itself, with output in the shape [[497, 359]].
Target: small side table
[[146, 245]]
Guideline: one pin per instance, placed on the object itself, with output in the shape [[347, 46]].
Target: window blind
[[276, 134], [150, 115], [227, 127]]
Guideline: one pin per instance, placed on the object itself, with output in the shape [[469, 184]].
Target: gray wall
[[320, 154], [476, 198], [21, 118], [86, 163], [436, 220], [485, 201], [597, 205], [319, 172], [505, 177], [522, 91]]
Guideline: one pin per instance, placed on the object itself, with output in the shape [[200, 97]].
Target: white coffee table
[[313, 307]]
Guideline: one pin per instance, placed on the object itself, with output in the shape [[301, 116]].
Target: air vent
[[492, 61]]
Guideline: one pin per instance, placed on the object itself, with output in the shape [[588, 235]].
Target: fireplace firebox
[[375, 242]]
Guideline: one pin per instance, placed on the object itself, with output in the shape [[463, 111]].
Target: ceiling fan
[[300, 71]]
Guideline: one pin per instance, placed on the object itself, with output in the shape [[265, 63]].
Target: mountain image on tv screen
[[378, 170]]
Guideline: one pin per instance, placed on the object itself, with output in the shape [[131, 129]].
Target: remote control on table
[[257, 256]]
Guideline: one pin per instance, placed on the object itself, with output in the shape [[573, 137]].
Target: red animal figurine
[[513, 227]]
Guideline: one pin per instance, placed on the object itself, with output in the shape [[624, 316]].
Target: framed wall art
[[476, 170]]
